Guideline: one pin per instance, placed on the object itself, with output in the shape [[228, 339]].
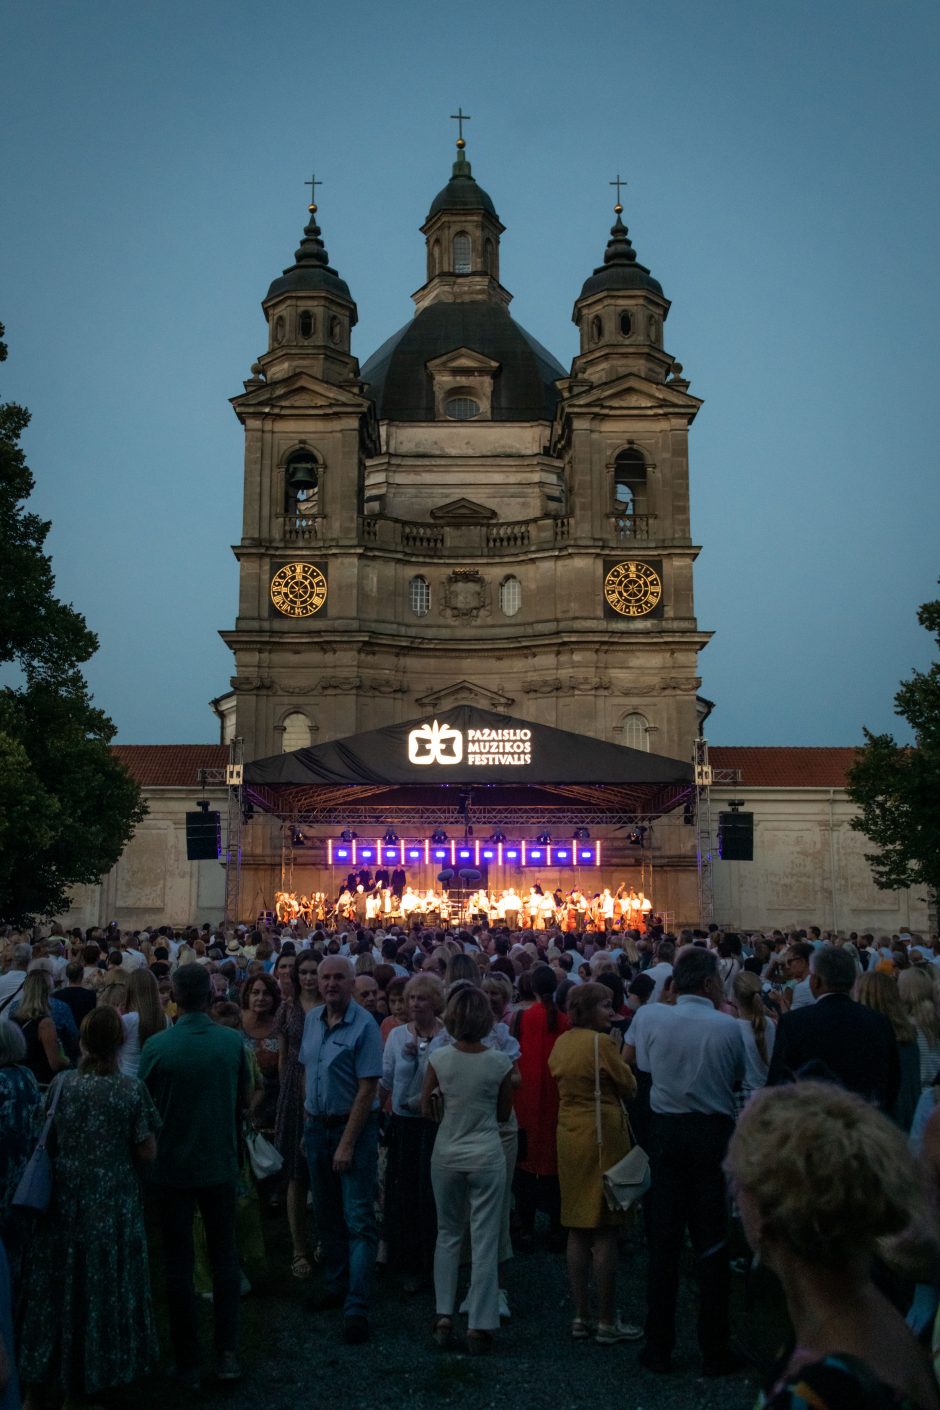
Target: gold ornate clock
[[633, 589], [298, 590]]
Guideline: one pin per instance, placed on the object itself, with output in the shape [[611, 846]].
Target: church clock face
[[633, 589], [298, 590]]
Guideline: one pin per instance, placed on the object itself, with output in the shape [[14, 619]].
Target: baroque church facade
[[462, 519]]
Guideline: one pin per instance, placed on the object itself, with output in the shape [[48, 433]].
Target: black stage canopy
[[467, 747]]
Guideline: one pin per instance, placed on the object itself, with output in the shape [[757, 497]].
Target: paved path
[[294, 1358]]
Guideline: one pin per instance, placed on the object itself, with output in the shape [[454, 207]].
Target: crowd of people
[[435, 1100]]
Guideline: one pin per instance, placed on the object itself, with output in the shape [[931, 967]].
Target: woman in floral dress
[[88, 1321]]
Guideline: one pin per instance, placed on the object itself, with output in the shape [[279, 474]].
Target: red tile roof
[[170, 765], [784, 767], [178, 765]]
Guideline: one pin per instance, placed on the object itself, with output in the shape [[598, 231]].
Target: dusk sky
[[782, 165]]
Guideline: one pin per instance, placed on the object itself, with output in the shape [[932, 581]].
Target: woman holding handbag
[[593, 1080], [86, 1267]]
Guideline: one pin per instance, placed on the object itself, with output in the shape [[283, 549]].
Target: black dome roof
[[462, 192], [523, 389], [621, 268], [311, 269]]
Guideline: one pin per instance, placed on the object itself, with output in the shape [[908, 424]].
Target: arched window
[[306, 323], [626, 324], [279, 330], [636, 732], [462, 408], [489, 261], [462, 253], [630, 482], [301, 486], [510, 596], [435, 258], [297, 732], [419, 596], [597, 329]]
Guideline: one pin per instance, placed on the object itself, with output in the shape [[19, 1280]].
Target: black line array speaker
[[203, 837], [736, 837]]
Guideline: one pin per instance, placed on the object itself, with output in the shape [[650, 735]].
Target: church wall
[[809, 868], [153, 882]]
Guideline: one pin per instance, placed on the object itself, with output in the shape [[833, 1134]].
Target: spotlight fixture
[[391, 835], [581, 834], [297, 838], [248, 812], [439, 835], [688, 814], [347, 835], [544, 838], [498, 836], [637, 836]]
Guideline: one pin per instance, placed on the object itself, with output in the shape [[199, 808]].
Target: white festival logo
[[435, 744]]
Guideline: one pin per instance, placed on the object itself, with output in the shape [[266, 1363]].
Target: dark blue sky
[[782, 168]]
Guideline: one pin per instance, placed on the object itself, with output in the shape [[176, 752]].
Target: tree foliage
[[897, 788], [67, 805]]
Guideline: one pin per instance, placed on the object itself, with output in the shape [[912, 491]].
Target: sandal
[[582, 1329], [300, 1266], [443, 1331], [478, 1343]]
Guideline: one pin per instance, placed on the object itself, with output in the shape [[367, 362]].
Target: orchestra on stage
[[373, 901]]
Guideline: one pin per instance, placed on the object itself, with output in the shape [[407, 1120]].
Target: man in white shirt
[[662, 969], [12, 982], [798, 976], [695, 1056]]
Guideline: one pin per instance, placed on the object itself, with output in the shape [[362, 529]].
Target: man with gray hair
[[836, 1039], [341, 1053], [12, 982], [695, 1057]]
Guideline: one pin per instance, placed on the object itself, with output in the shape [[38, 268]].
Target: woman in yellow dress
[[586, 1148]]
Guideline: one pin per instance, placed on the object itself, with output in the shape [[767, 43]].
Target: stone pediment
[[464, 693], [300, 390], [462, 511], [632, 392], [463, 361]]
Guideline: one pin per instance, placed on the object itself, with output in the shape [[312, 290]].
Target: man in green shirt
[[197, 1073]]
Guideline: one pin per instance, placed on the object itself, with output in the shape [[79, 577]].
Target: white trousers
[[474, 1196]]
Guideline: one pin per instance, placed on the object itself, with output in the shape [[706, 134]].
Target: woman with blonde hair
[[819, 1175], [919, 997], [758, 1031], [880, 992], [593, 1080], [468, 1167], [409, 1214], [143, 1016], [33, 1014]]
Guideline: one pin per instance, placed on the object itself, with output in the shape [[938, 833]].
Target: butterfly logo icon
[[435, 744]]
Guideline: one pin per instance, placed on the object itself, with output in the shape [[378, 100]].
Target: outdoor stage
[[511, 800]]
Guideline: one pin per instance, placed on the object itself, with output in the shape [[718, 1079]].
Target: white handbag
[[265, 1159], [626, 1182]]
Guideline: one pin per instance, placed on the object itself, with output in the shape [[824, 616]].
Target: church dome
[[621, 268], [462, 192], [311, 271], [523, 390]]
